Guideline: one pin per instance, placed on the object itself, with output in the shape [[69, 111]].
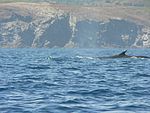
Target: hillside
[[89, 2], [49, 24]]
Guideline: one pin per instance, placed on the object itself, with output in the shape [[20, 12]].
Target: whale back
[[123, 55]]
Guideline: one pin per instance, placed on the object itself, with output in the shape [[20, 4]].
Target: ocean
[[63, 80]]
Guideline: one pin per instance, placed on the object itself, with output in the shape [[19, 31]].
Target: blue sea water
[[73, 81]]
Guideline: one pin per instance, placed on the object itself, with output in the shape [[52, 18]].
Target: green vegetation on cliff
[[8, 1], [138, 3]]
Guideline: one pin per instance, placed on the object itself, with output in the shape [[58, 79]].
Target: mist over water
[[73, 81]]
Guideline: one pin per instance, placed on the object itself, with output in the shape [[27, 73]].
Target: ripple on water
[[72, 81]]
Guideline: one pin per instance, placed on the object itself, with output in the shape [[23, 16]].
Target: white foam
[[82, 57]]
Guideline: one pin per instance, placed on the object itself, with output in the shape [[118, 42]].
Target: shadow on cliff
[[57, 34]]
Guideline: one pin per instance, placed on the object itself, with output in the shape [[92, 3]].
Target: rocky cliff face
[[53, 25]]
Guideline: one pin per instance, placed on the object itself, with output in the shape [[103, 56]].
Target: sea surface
[[73, 81]]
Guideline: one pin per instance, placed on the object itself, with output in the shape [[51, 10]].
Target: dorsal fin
[[123, 53]]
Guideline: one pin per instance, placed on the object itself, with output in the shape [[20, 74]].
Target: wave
[[37, 66], [84, 57]]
